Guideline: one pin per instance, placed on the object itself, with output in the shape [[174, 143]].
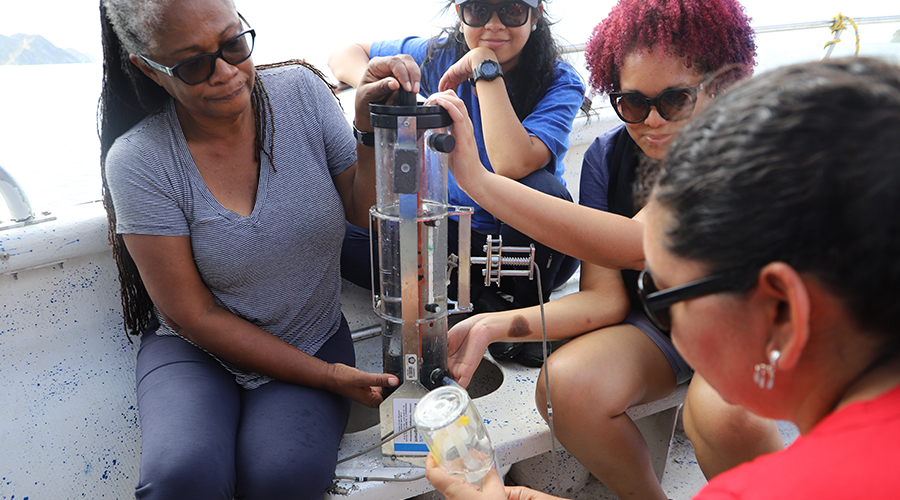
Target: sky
[[298, 29]]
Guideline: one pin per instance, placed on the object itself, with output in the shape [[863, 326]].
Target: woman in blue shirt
[[503, 62]]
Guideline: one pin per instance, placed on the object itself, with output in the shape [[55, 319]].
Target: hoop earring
[[764, 374]]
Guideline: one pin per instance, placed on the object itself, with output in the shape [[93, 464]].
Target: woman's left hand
[[466, 343], [462, 69], [464, 161]]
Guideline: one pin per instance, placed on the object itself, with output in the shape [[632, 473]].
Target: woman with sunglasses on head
[[503, 61], [227, 190], [655, 60], [771, 243]]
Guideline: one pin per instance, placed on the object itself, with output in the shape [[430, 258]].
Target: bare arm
[[514, 153], [598, 237], [349, 63], [602, 301], [168, 271]]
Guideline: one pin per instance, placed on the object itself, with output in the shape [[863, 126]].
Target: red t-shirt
[[852, 453]]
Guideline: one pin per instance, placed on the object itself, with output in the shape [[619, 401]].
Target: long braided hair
[[127, 97], [527, 82]]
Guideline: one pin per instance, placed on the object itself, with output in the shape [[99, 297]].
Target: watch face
[[488, 70]]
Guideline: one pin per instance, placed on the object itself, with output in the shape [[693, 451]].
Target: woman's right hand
[[382, 78], [457, 488], [362, 387]]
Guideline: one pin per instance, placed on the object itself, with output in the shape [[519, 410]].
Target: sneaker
[[532, 354], [505, 351], [492, 301]]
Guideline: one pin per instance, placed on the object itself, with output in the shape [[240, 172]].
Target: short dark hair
[[799, 165]]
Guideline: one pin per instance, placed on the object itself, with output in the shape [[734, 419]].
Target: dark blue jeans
[[556, 267], [204, 436]]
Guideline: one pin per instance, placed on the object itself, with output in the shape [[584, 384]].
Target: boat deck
[[683, 478]]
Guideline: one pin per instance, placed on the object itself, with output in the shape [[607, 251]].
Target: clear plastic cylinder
[[409, 233], [431, 217]]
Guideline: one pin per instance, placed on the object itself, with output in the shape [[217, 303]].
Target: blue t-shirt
[[550, 121]]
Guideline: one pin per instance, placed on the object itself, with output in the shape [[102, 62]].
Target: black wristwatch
[[487, 70], [364, 138]]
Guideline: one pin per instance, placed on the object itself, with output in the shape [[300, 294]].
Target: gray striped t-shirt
[[279, 267]]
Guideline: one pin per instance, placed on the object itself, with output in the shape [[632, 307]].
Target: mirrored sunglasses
[[477, 14], [673, 104]]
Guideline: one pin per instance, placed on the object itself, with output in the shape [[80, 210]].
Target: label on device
[[411, 367], [410, 442]]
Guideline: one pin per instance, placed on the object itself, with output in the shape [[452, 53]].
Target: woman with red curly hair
[[660, 62]]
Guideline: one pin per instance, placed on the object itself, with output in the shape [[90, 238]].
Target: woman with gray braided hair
[[228, 188], [771, 243]]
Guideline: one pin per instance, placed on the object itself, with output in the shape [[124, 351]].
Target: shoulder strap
[[621, 176], [620, 195]]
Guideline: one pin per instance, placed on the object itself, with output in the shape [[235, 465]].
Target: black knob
[[406, 98], [442, 143]]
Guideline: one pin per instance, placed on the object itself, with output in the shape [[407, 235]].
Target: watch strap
[[364, 138], [478, 72]]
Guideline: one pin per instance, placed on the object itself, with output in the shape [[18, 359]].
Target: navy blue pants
[[555, 266], [204, 436]]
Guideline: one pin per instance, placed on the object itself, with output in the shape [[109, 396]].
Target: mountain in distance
[[35, 49]]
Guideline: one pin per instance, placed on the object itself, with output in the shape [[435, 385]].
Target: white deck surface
[[683, 477]]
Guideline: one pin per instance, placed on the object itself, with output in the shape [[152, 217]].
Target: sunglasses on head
[[656, 302], [477, 14], [198, 69], [673, 104]]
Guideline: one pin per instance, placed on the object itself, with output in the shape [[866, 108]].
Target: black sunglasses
[[673, 104], [477, 14], [656, 302], [197, 69]]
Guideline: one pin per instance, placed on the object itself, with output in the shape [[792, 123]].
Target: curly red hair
[[711, 34]]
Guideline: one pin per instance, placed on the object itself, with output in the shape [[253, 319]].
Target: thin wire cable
[[537, 271], [362, 479], [392, 436], [389, 437]]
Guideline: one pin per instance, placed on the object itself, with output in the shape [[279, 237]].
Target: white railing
[[576, 48], [16, 199]]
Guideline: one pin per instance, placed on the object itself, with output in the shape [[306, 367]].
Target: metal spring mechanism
[[495, 261]]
